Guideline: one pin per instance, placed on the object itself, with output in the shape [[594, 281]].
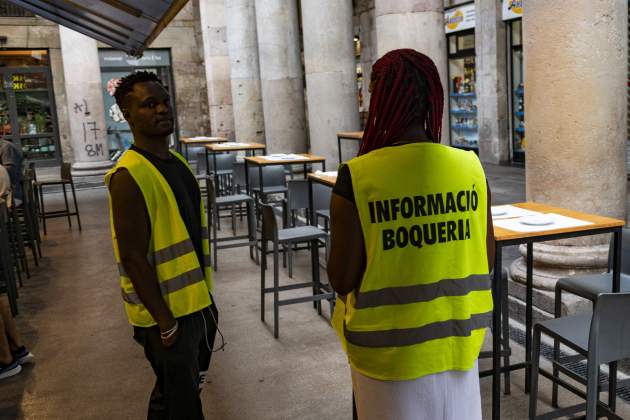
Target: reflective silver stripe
[[131, 298], [204, 233], [174, 251], [411, 336], [122, 271], [171, 285], [422, 292]]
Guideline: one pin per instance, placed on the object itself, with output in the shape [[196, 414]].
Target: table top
[[236, 148], [598, 222], [204, 140], [308, 158], [323, 179], [352, 135]]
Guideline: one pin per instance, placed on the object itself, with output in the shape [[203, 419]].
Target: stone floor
[[88, 366]]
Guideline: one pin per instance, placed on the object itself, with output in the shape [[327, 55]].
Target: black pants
[[180, 369]]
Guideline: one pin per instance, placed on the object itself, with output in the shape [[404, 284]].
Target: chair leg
[[506, 339], [533, 392], [41, 205], [215, 241], [263, 268], [76, 204], [276, 297], [592, 388], [290, 257], [65, 199], [556, 350]]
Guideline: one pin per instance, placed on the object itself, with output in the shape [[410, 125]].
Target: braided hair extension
[[406, 90]]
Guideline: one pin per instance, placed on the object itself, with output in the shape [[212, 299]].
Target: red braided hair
[[406, 88]]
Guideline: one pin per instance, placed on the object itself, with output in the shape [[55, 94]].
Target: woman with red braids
[[412, 246]]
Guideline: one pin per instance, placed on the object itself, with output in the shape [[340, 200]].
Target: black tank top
[[186, 191]]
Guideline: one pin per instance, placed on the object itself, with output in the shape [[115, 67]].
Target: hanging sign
[[459, 18], [512, 9]]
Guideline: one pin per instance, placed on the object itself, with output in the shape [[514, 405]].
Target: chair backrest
[[66, 171], [625, 252], [297, 194], [273, 176], [609, 338], [269, 222], [321, 196], [200, 167], [225, 162], [238, 173]]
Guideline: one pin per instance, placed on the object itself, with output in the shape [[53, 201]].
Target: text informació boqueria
[[419, 235]]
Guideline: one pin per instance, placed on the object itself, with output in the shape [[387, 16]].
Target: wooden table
[[348, 135], [503, 238], [200, 141], [262, 161]]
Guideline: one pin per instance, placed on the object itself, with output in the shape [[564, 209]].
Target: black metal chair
[[6, 261], [65, 180], [287, 237], [603, 337], [214, 205], [590, 286], [27, 216]]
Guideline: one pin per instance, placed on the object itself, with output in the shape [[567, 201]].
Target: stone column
[[249, 122], [417, 24], [331, 79], [492, 92], [84, 96], [217, 61], [281, 75], [575, 97], [367, 36]]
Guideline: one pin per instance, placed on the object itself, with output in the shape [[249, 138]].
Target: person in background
[[11, 158], [13, 353], [411, 249], [160, 237]]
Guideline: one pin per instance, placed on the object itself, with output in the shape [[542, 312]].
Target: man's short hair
[[125, 86]]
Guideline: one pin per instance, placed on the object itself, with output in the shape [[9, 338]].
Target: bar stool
[[66, 179], [287, 237], [214, 204]]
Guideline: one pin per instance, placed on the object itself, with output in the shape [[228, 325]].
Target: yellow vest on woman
[[185, 282], [425, 298]]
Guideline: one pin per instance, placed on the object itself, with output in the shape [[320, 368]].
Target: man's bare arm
[[133, 231]]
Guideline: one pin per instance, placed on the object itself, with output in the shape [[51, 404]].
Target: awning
[[128, 25]]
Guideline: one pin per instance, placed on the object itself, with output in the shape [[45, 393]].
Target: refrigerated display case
[[462, 91]]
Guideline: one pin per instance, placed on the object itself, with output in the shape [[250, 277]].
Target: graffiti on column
[[92, 146]]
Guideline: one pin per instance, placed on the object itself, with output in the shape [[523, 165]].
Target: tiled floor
[[88, 366]]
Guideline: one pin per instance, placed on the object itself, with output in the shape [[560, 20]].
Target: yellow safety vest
[[425, 297], [185, 282]]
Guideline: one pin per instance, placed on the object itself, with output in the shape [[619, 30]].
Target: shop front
[[115, 65], [460, 34], [512, 15], [27, 108]]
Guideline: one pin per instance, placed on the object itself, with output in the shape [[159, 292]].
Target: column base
[[99, 168]]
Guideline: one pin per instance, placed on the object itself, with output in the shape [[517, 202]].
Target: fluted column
[[281, 75], [331, 79], [84, 96], [417, 24], [242, 40], [575, 97], [217, 62]]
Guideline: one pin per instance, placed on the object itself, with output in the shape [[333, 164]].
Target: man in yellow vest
[[160, 238], [412, 244]]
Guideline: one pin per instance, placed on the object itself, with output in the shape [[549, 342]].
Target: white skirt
[[452, 395]]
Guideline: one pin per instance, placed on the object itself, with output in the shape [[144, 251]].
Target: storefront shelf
[[463, 95], [463, 112], [461, 127]]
